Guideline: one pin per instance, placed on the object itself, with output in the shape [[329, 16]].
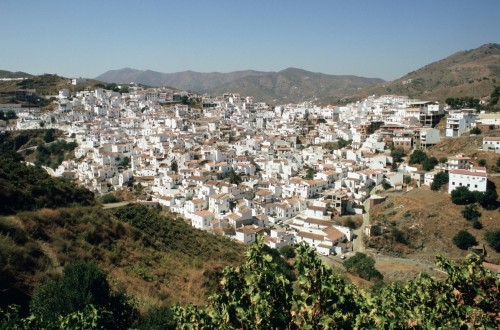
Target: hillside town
[[242, 168]]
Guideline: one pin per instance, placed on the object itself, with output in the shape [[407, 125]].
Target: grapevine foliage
[[257, 296]]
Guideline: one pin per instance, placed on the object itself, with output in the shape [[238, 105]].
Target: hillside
[[428, 220], [45, 85], [295, 85], [466, 73], [157, 259], [180, 266], [187, 80]]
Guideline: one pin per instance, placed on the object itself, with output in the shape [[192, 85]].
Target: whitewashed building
[[474, 179]]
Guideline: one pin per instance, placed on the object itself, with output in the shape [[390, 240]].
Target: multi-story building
[[459, 122], [474, 179]]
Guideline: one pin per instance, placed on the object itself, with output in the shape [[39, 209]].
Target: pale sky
[[383, 39]]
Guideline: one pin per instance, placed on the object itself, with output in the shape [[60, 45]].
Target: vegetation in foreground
[[257, 295], [27, 188]]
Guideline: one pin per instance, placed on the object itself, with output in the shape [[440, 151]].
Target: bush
[[287, 252], [481, 162], [386, 185], [470, 212], [475, 130], [429, 164], [157, 318], [363, 266], [493, 239], [397, 155], [464, 240], [407, 179], [82, 284], [462, 196], [49, 135], [476, 224], [399, 236], [109, 198], [417, 157], [488, 199]]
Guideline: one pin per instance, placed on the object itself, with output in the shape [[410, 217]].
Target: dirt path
[[49, 253]]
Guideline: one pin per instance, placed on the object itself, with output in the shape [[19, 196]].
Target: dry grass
[[152, 275], [430, 220]]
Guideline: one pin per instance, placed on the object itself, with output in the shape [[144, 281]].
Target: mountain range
[[289, 85]]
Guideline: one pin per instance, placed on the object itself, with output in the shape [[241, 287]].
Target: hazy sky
[[371, 38]]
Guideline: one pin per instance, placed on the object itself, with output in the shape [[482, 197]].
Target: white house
[[491, 144], [473, 179], [247, 234], [201, 219], [460, 121]]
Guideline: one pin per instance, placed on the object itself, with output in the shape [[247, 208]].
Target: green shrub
[[493, 239], [82, 284], [464, 240], [287, 251], [470, 212], [109, 198], [363, 266], [440, 179]]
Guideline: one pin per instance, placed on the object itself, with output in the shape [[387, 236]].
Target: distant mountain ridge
[[473, 72], [10, 74], [188, 80], [289, 85]]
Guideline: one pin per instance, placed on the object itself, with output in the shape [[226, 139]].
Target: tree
[[487, 199], [310, 172], [234, 178], [429, 163], [440, 179], [386, 185], [82, 284], [287, 252], [417, 157], [462, 102], [470, 212], [495, 95], [498, 162], [109, 198], [493, 239], [443, 160], [124, 162], [363, 266], [462, 195], [49, 135], [398, 154], [174, 167], [481, 162], [341, 143], [464, 240]]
